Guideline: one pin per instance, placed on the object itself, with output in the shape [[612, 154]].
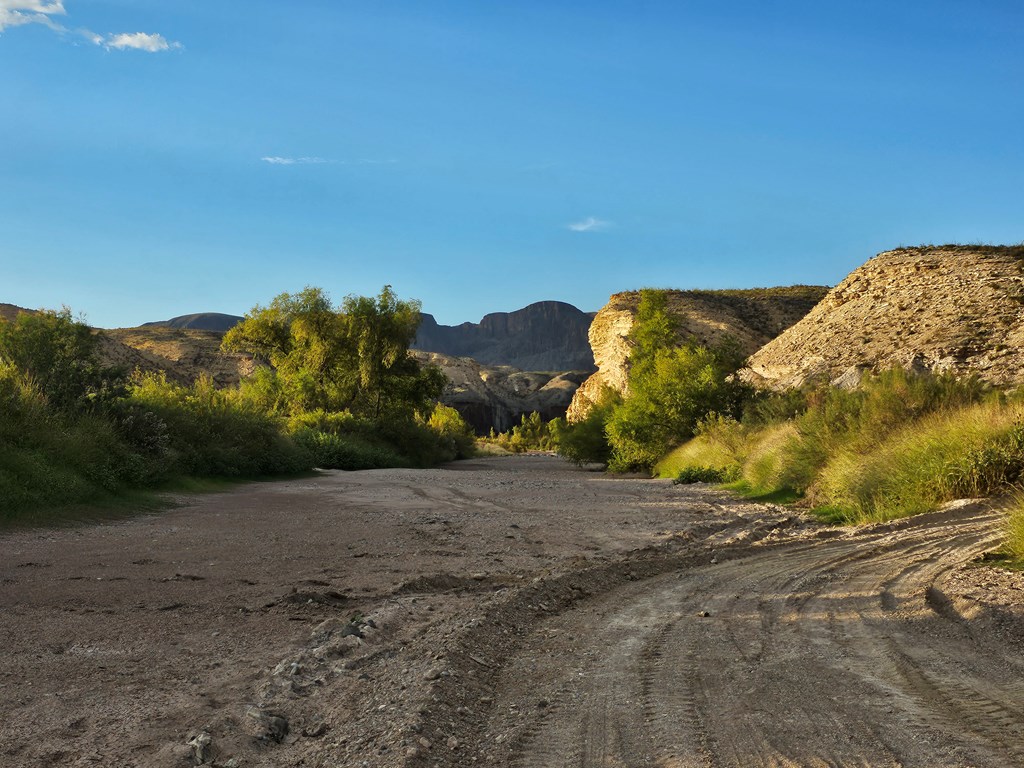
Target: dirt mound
[[949, 308], [752, 317]]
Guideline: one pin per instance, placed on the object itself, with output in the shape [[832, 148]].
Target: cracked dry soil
[[509, 612]]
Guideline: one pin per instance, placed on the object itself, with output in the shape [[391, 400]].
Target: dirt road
[[512, 612]]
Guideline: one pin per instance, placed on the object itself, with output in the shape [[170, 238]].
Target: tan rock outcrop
[[940, 308], [752, 317]]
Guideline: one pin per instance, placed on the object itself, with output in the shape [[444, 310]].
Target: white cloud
[[15, 13], [296, 160], [276, 160], [140, 41], [589, 224]]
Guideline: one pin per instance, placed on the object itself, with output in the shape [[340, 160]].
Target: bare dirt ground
[[512, 612]]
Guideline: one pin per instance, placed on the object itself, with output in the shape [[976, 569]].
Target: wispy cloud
[[277, 160], [274, 160], [140, 41], [15, 13], [589, 224]]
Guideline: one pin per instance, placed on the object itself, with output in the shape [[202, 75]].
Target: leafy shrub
[[965, 452], [719, 444], [692, 474], [667, 400], [58, 355], [532, 433], [346, 451], [901, 443], [342, 440], [455, 434], [52, 458], [586, 441]]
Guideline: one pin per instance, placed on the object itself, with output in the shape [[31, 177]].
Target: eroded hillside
[[498, 396], [183, 354], [752, 317], [957, 309]]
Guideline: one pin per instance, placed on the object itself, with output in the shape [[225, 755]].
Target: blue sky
[[161, 158]]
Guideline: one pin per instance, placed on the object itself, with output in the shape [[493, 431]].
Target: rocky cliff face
[[751, 317], [546, 336], [940, 308]]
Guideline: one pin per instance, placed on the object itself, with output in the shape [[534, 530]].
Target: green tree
[[675, 390], [58, 355], [586, 441], [380, 330], [453, 431], [672, 386], [654, 329], [354, 357]]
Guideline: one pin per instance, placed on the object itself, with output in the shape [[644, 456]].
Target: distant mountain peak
[[544, 336], [201, 321]]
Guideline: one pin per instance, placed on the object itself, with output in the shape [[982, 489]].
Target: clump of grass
[[772, 462], [716, 447], [1014, 546], [964, 452]]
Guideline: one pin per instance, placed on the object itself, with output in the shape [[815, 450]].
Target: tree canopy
[[354, 357], [58, 354]]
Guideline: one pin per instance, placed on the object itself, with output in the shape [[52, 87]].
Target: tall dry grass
[[901, 444]]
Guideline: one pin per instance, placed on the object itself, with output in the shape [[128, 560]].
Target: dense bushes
[[586, 441], [666, 401], [48, 457], [455, 435], [57, 355], [1014, 546], [532, 433], [211, 432], [73, 431], [899, 444]]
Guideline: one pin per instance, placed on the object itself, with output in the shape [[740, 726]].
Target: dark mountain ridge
[[544, 336], [200, 321]]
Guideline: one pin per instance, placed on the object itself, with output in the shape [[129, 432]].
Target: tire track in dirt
[[832, 653]]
